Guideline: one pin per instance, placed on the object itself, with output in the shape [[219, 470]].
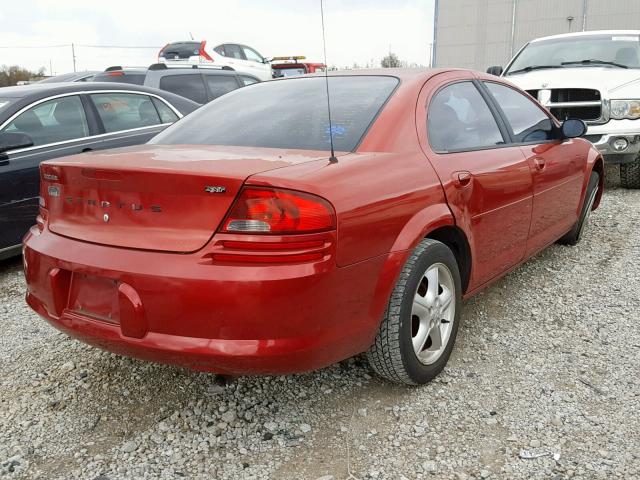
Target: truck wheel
[[630, 174], [575, 234], [420, 325]]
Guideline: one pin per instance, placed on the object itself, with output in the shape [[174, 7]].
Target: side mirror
[[495, 70], [573, 127], [14, 140]]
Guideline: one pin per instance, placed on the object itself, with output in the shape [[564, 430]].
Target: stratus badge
[[215, 189]]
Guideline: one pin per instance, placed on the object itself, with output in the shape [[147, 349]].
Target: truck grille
[[564, 103]]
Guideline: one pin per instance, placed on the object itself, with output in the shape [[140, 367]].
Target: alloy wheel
[[433, 313]]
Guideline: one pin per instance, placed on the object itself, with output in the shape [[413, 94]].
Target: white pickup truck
[[594, 76]]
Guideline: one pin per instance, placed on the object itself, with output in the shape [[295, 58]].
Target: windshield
[[621, 49], [289, 113]]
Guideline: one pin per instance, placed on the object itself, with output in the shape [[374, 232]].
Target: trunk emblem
[[105, 217], [214, 189]]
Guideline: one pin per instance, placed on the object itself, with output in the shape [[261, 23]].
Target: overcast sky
[[358, 31]]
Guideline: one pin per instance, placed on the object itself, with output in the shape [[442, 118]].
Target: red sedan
[[232, 243]]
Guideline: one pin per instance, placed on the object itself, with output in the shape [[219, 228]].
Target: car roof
[[48, 89], [72, 75], [401, 73], [174, 71], [588, 34]]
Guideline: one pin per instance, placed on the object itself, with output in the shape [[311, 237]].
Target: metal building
[[479, 33]]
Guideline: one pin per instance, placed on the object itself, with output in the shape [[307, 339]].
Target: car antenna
[[332, 158]]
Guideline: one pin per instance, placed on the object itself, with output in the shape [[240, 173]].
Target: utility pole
[[430, 55], [50, 68], [73, 54]]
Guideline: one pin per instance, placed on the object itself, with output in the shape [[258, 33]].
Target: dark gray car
[[85, 76], [198, 84], [43, 121]]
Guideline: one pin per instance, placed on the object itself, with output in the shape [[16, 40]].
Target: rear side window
[[220, 84], [527, 121], [232, 50], [56, 120], [459, 119], [166, 114], [121, 77], [124, 111], [287, 114], [188, 86]]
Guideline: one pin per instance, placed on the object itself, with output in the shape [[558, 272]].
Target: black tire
[[573, 236], [392, 355], [630, 174]]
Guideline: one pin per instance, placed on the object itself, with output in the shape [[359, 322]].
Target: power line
[[41, 46], [116, 46], [80, 45]]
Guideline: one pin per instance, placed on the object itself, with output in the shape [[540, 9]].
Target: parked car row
[[198, 84]]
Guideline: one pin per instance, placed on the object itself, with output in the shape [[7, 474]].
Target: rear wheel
[[420, 325], [630, 174], [575, 234]]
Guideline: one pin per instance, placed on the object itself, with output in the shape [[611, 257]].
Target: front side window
[[188, 86], [459, 119], [252, 55], [125, 111], [57, 120], [527, 121], [220, 84], [288, 114]]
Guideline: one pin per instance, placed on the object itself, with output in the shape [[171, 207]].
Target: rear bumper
[[183, 309]]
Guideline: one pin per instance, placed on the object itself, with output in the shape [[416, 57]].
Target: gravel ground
[[547, 361]]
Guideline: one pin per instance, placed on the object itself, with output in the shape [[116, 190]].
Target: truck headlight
[[625, 109]]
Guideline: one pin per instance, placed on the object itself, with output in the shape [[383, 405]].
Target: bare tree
[[11, 75], [391, 61]]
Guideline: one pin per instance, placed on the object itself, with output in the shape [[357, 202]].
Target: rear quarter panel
[[386, 194]]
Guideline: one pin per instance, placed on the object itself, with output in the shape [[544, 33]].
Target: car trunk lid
[[152, 197]]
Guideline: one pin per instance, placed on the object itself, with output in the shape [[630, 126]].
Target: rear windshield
[[181, 50], [288, 113], [289, 71], [134, 78]]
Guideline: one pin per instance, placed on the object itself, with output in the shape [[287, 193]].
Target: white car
[[594, 76], [230, 56]]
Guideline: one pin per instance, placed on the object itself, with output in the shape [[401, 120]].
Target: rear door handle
[[462, 179], [4, 163], [540, 163], [85, 150]]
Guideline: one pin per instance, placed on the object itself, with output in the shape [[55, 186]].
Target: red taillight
[[203, 52], [276, 211], [115, 74], [162, 50]]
